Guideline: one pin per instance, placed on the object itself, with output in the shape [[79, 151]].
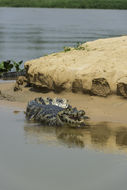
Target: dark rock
[[20, 82], [17, 87], [100, 87], [77, 85], [13, 75], [122, 89]]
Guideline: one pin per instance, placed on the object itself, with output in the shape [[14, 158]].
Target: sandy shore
[[79, 68], [99, 109]]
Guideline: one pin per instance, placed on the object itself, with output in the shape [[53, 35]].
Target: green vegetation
[[67, 49], [6, 66], [100, 4], [78, 46]]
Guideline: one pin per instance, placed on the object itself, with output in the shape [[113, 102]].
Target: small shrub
[[6, 66], [67, 49], [78, 46]]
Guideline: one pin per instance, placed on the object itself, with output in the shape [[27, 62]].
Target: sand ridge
[[103, 58]]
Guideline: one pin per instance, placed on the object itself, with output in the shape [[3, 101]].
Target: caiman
[[55, 112]]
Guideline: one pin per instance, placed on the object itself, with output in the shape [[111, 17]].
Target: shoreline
[[110, 109], [111, 9], [112, 5]]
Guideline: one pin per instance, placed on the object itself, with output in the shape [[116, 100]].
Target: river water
[[27, 33], [35, 157]]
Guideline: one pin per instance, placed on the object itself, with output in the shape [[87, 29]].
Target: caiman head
[[72, 117]]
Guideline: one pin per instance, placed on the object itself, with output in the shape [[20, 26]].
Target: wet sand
[[99, 109]]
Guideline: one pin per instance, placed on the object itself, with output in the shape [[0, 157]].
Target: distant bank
[[96, 4]]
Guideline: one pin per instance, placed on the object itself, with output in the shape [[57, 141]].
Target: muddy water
[[35, 157]]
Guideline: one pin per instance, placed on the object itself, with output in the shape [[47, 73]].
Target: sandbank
[[99, 109], [78, 74], [78, 68]]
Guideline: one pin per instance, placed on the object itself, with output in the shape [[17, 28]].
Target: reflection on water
[[103, 136], [121, 137], [28, 162]]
